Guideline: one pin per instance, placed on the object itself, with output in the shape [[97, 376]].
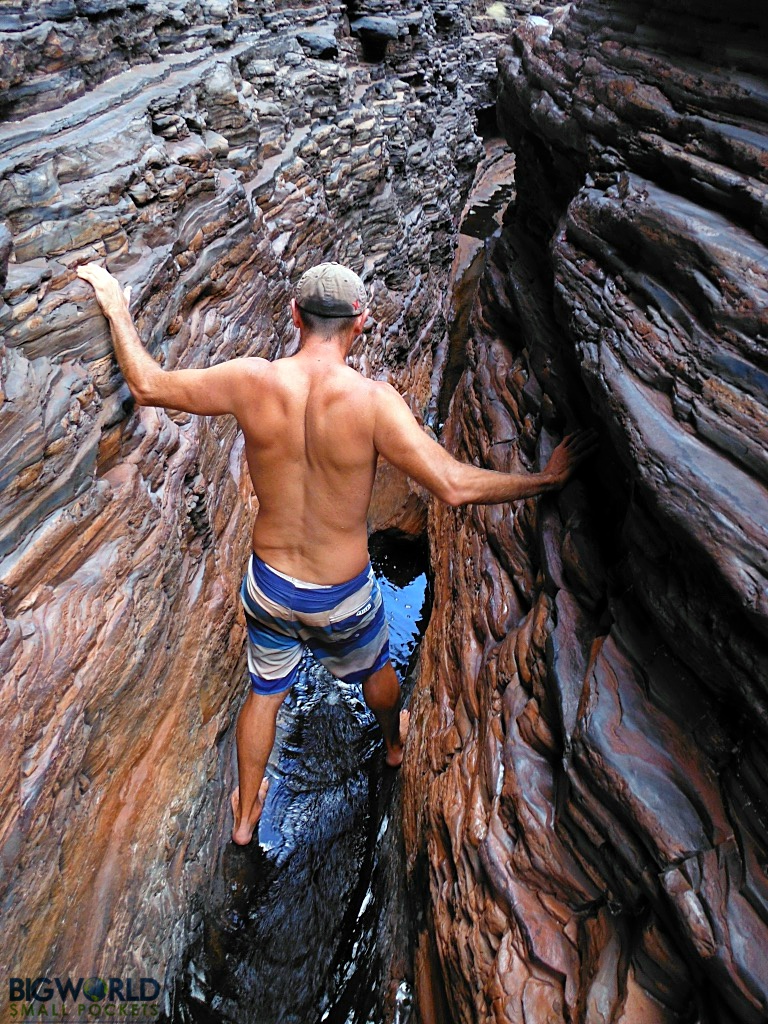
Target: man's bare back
[[312, 459]]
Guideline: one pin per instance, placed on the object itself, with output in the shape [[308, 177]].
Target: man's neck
[[327, 350]]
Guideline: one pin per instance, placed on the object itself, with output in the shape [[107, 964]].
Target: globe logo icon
[[95, 989]]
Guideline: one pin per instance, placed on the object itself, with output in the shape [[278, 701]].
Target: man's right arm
[[400, 439], [213, 391]]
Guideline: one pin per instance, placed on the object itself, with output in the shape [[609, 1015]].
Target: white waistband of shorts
[[297, 583]]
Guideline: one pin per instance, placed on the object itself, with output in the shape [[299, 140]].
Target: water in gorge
[[291, 935]]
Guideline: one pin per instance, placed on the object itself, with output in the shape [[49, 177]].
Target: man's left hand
[[570, 453]]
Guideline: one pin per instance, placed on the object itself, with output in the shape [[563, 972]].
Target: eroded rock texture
[[211, 152], [586, 796]]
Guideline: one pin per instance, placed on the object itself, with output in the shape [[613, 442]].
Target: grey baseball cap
[[330, 289]]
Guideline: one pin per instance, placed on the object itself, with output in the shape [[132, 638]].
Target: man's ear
[[360, 322], [295, 314]]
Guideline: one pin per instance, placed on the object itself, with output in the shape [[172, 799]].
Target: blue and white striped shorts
[[343, 625]]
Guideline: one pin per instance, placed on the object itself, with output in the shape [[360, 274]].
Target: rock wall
[[586, 785], [210, 152]]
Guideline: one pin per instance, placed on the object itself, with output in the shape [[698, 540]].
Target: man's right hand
[[570, 453]]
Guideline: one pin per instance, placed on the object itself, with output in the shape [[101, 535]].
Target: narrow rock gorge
[[583, 798]]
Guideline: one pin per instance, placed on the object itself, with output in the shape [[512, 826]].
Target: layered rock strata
[[210, 152], [586, 789]]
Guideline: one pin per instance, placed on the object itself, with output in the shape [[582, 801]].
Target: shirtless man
[[313, 430]]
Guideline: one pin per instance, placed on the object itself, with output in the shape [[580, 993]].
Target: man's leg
[[381, 691], [255, 739]]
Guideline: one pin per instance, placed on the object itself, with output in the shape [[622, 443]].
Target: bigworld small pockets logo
[[66, 999]]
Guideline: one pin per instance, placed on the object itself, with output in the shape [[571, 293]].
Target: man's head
[[330, 303]]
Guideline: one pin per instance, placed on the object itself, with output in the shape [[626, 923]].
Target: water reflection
[[400, 567], [482, 219], [291, 935]]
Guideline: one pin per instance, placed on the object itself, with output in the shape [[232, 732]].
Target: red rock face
[[585, 794], [209, 154]]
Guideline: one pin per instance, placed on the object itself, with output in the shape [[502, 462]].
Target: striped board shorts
[[343, 625]]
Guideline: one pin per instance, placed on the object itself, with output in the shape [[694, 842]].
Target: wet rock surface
[[587, 800], [310, 922], [209, 153]]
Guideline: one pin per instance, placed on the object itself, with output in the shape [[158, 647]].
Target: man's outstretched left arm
[[209, 392], [400, 439]]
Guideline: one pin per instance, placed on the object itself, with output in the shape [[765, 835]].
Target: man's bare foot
[[394, 757], [242, 833]]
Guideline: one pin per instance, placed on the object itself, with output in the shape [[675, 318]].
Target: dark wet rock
[[313, 920], [373, 29], [6, 248], [375, 33], [320, 44]]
